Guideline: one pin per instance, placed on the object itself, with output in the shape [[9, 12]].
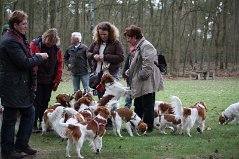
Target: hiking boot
[[35, 130], [12, 155], [28, 150]]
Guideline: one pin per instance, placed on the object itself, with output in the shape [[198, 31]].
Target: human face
[[104, 35], [131, 40], [49, 43], [74, 41], [21, 27]]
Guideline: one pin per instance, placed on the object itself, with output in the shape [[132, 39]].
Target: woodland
[[191, 34]]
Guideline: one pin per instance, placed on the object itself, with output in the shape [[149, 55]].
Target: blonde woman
[[48, 73]]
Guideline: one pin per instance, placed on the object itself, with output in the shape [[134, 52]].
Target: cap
[[5, 27]]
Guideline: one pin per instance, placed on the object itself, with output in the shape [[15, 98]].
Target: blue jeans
[[128, 102], [85, 82], [8, 128]]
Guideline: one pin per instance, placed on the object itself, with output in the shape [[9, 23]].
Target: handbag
[[94, 79]]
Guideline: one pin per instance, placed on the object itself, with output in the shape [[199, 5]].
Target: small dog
[[200, 121], [161, 107], [112, 87], [189, 116], [64, 99], [93, 130], [133, 121], [165, 120], [231, 113]]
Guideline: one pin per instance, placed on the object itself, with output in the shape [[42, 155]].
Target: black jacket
[[16, 71], [78, 60]]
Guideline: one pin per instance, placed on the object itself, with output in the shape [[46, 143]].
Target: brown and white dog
[[167, 120], [200, 121], [229, 114], [113, 87], [46, 124], [131, 119], [93, 130], [161, 107], [189, 116], [64, 99]]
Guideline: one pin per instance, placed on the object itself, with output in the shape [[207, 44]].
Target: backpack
[[161, 64]]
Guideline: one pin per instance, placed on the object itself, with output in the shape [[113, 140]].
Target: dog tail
[[177, 106]]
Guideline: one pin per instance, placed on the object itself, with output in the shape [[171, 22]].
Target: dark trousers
[[8, 128], [43, 96], [144, 108]]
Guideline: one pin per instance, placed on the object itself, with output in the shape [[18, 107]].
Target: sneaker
[[28, 150], [12, 155]]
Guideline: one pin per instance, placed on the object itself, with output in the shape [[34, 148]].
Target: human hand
[[99, 57], [43, 55], [55, 86], [127, 73]]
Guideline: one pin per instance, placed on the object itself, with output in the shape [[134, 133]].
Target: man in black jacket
[[76, 61], [17, 86]]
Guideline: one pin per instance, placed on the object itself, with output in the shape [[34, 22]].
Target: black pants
[[43, 96], [8, 143], [144, 108]]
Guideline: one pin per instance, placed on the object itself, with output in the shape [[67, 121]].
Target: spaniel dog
[[161, 107], [229, 114], [167, 120], [112, 87], [93, 130], [191, 116], [83, 106], [64, 99], [131, 119]]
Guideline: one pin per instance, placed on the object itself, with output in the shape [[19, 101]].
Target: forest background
[[192, 34]]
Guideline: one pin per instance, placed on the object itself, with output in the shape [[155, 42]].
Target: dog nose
[[97, 151]]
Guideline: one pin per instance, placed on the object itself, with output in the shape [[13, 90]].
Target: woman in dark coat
[[17, 86]]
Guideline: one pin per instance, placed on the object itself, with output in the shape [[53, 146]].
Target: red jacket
[[36, 48]]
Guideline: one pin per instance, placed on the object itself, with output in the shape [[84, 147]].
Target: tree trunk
[[52, 8], [45, 15], [76, 16]]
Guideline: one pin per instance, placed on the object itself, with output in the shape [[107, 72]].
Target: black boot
[[12, 155]]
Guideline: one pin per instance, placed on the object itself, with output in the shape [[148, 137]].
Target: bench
[[205, 74]]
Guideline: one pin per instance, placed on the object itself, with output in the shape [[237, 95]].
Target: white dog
[[231, 113]]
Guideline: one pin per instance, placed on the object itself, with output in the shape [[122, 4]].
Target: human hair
[[106, 26], [16, 16], [76, 35], [51, 35], [133, 31]]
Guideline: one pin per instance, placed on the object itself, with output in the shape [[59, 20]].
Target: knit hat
[[5, 27]]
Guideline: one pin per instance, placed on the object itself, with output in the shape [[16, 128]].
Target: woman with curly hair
[[106, 49]]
